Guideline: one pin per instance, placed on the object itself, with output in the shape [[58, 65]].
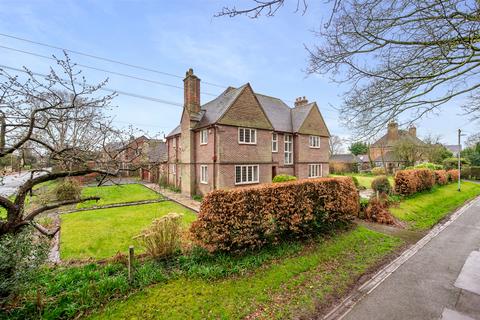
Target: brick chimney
[[413, 131], [300, 101], [191, 85], [392, 131]]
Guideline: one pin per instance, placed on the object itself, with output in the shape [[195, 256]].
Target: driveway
[[10, 183], [441, 281]]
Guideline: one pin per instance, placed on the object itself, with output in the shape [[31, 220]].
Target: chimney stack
[[191, 85], [413, 131], [300, 101], [392, 131]]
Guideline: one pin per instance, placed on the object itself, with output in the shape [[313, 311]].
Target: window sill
[[244, 183], [248, 143], [313, 147], [203, 182], [203, 144]]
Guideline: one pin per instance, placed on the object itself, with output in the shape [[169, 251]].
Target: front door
[[274, 171]]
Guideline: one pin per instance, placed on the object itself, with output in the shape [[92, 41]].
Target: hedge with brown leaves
[[441, 177], [408, 182], [452, 175], [249, 218]]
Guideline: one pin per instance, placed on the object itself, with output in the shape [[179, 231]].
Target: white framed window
[[288, 143], [274, 142], [246, 174], [314, 142], [203, 174], [247, 136], [315, 170], [204, 136], [174, 167]]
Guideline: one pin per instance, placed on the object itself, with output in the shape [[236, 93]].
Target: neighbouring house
[[344, 163], [154, 160], [454, 148], [364, 163], [381, 151], [243, 138]]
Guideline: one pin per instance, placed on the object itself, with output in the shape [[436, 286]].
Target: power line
[[125, 93], [104, 70], [104, 59]]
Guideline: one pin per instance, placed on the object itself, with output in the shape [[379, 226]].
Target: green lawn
[[117, 194], [288, 288], [424, 210], [102, 233], [365, 181]]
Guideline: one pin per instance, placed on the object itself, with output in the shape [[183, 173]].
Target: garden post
[[130, 263]]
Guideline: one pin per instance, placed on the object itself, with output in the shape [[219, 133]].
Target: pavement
[[176, 197], [10, 183], [438, 279]]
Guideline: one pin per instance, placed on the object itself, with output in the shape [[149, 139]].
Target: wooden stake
[[131, 254]]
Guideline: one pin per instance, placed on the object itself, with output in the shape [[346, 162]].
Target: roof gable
[[246, 111], [310, 121]]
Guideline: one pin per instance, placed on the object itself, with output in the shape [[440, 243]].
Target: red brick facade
[[221, 150]]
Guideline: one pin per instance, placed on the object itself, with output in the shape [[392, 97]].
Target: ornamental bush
[[408, 182], [441, 177], [69, 189], [248, 218], [381, 184], [283, 178], [378, 171], [452, 175], [429, 165]]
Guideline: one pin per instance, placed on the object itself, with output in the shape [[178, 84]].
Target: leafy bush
[[381, 184], [452, 175], [21, 255], [283, 178], [163, 237], [249, 218], [428, 165], [377, 210], [69, 189], [452, 163], [441, 177], [378, 171], [342, 167], [472, 173], [355, 181], [408, 182]]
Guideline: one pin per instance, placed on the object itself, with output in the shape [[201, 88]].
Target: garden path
[[176, 197]]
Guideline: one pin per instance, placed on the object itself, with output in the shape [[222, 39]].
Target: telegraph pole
[[459, 162]]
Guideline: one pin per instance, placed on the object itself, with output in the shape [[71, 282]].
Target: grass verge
[[291, 286], [364, 180], [423, 210], [117, 194], [102, 233]]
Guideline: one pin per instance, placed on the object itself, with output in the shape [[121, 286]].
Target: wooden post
[[131, 253]]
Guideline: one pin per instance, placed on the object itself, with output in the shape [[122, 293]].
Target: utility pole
[[459, 162]]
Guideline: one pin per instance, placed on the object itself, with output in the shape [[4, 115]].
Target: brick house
[[382, 150], [242, 138]]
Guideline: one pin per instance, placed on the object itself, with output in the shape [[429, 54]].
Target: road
[[10, 183], [441, 281]]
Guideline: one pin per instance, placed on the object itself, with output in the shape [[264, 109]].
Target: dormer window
[[247, 136], [314, 142], [204, 136]]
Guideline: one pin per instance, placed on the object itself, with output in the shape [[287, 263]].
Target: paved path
[[10, 183], [441, 281], [177, 197]]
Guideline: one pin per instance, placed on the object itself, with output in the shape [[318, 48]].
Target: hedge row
[[249, 218], [408, 182]]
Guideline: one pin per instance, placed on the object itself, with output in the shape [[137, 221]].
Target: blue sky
[[172, 36]]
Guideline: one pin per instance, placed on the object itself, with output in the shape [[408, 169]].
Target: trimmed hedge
[[441, 177], [381, 184], [408, 182], [452, 175], [249, 218]]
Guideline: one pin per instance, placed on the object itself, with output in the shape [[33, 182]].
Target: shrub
[[429, 165], [408, 182], [452, 175], [249, 218], [381, 184], [452, 163], [378, 171], [355, 182], [441, 177], [377, 210], [68, 190], [21, 255], [163, 237], [472, 173], [283, 178], [342, 167]]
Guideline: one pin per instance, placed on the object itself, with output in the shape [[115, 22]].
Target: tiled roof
[[453, 147], [389, 156], [277, 112], [299, 114], [175, 131], [157, 151], [402, 134], [347, 158]]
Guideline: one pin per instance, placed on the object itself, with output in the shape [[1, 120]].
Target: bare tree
[[62, 118], [403, 57], [335, 144], [261, 7], [408, 151]]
